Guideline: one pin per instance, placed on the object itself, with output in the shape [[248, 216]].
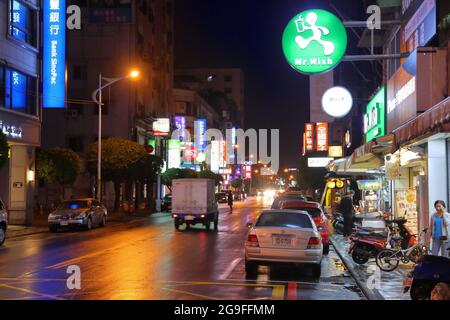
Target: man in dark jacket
[[347, 211]]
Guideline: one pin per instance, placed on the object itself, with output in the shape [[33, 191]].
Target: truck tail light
[[314, 243], [252, 240]]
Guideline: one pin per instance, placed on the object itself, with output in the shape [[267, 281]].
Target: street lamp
[[109, 81]]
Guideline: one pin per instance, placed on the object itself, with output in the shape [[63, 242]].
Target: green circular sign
[[314, 41]]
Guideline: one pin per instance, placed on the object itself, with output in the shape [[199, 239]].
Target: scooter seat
[[434, 259]]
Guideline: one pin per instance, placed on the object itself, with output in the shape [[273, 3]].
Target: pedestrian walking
[[346, 207], [440, 229], [230, 201]]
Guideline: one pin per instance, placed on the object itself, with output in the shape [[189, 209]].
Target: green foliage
[[58, 165], [175, 173], [237, 184], [4, 148], [208, 174], [119, 156], [147, 168]]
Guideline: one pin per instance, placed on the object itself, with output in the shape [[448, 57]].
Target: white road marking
[[230, 268]]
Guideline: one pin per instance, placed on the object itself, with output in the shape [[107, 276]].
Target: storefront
[[17, 176]]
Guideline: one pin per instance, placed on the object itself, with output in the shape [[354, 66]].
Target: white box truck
[[194, 202]]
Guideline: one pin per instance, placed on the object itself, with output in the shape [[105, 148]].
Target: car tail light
[[314, 243], [252, 240]]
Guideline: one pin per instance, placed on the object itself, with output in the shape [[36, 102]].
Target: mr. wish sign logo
[[314, 41]]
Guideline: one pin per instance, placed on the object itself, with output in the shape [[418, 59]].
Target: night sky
[[247, 34]]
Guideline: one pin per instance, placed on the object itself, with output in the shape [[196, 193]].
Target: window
[[228, 78], [22, 23], [284, 220], [18, 91]]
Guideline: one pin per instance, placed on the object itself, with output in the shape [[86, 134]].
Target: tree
[[208, 174], [58, 166], [119, 156], [175, 173], [237, 184], [145, 171], [4, 149]]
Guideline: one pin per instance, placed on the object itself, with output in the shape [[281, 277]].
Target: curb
[[368, 293], [9, 236]]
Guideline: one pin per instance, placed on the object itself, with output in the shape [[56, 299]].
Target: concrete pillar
[[437, 172]]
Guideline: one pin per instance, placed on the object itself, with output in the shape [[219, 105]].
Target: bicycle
[[388, 260]]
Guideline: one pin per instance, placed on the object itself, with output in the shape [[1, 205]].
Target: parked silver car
[[3, 223], [283, 236], [85, 213]]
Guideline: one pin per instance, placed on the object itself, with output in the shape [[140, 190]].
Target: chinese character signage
[[322, 137], [200, 130], [54, 53], [375, 117], [161, 127], [180, 125], [247, 172], [309, 137]]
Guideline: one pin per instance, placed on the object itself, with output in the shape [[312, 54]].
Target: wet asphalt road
[[148, 259]]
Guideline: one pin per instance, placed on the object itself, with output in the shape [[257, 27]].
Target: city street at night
[[148, 259]]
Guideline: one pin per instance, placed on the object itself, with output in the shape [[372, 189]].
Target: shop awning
[[432, 121]]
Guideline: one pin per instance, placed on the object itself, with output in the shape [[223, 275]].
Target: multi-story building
[[19, 104], [115, 37], [407, 126], [228, 81]]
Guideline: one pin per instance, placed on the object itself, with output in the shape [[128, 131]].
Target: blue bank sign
[[54, 53]]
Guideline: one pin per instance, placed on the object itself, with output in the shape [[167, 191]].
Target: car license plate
[[282, 241], [64, 223], [189, 218]]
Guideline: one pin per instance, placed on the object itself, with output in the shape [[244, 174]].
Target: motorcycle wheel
[[359, 258], [385, 262]]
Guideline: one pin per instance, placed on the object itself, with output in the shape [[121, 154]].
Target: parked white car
[[283, 236], [3, 223]]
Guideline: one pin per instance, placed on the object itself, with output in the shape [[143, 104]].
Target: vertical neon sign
[[54, 54], [200, 130]]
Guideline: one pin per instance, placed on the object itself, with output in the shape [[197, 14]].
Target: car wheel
[[2, 236], [317, 270], [208, 225], [89, 224], [251, 268], [53, 229], [326, 249], [103, 223]]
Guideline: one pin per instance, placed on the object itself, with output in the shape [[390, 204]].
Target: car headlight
[[81, 215]]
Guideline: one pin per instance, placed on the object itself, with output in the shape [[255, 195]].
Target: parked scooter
[[429, 271], [366, 245]]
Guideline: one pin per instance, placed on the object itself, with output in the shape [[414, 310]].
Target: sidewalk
[[391, 286], [40, 223]]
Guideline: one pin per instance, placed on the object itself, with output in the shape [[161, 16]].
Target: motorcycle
[[388, 260], [366, 244], [337, 221], [429, 271]]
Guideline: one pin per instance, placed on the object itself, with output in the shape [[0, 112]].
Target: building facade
[[228, 81], [20, 112], [115, 38]]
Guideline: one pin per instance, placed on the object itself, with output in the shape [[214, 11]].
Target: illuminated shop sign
[[215, 156], [335, 152], [309, 137], [54, 53], [199, 132], [180, 125], [19, 20], [161, 127], [174, 157], [319, 162], [11, 131], [322, 137], [314, 41], [375, 117]]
